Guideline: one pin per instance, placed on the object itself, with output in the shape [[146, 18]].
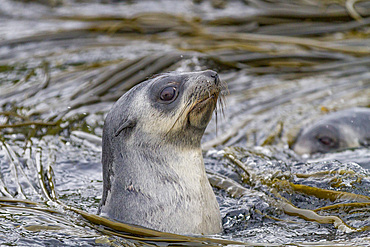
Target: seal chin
[[302, 148], [201, 113]]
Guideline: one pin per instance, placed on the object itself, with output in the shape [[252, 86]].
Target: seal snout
[[213, 75], [210, 85]]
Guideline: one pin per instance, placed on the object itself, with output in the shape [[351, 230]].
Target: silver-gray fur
[[339, 130], [153, 169]]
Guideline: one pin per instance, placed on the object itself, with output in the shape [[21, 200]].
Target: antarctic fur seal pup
[[339, 130], [153, 169]]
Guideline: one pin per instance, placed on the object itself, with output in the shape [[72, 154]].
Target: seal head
[[153, 169], [337, 131]]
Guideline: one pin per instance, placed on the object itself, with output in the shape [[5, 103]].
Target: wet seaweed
[[284, 204], [125, 75]]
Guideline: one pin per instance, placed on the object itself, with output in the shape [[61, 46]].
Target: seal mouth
[[199, 104]]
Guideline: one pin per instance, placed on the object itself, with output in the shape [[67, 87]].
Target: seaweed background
[[64, 63]]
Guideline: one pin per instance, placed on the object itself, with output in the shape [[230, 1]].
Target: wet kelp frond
[[278, 185]]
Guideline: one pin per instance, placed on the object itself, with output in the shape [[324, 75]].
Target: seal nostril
[[217, 79], [214, 75]]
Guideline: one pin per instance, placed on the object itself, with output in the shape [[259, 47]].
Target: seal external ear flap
[[128, 123]]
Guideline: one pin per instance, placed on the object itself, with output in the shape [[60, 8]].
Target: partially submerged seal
[[340, 130], [153, 169]]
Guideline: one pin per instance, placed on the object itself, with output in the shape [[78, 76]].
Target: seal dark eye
[[168, 94], [326, 141]]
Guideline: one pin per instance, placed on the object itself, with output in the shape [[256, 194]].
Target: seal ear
[[126, 123]]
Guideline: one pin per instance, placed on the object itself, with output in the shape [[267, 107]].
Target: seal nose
[[213, 75]]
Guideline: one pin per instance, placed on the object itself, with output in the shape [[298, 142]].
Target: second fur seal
[[153, 169], [336, 131]]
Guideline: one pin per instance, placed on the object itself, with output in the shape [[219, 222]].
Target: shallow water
[[62, 68]]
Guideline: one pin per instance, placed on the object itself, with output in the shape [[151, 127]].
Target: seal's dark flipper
[[128, 123]]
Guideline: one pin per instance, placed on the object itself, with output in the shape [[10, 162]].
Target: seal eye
[[168, 94], [326, 141]]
